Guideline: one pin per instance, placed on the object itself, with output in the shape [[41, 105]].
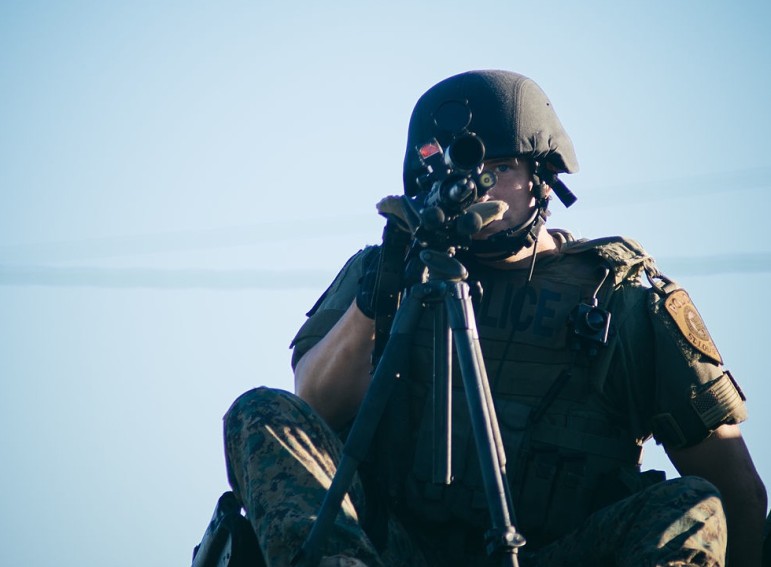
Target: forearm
[[334, 375], [745, 507], [724, 460]]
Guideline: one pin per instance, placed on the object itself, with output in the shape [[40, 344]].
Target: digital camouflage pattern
[[281, 458], [679, 522]]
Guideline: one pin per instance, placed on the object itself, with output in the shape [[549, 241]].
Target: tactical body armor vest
[[573, 413], [569, 445]]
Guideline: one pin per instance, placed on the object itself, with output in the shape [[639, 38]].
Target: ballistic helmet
[[508, 112]]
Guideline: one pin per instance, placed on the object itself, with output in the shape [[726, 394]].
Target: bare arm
[[724, 460], [334, 375]]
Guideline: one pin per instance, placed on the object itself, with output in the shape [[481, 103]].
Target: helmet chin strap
[[506, 243]]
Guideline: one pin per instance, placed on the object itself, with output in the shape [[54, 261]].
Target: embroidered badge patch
[[690, 323]]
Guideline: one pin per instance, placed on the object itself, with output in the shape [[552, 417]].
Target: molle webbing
[[587, 443], [561, 459]]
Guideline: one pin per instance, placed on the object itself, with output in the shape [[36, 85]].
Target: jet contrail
[[89, 276], [368, 223]]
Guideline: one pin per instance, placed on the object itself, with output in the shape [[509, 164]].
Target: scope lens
[[465, 153]]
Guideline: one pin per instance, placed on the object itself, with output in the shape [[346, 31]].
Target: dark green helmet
[[509, 112]]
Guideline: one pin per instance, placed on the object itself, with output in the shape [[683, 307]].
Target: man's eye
[[502, 168]]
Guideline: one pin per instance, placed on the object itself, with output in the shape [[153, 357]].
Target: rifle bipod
[[448, 293]]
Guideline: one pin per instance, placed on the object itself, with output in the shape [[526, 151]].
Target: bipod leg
[[502, 539], [442, 396], [389, 369]]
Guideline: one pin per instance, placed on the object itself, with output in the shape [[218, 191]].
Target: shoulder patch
[[691, 325]]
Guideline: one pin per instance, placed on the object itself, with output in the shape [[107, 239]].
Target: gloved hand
[[365, 298], [408, 219]]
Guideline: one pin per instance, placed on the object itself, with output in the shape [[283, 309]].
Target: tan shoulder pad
[[625, 256]]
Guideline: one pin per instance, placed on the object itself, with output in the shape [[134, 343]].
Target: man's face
[[514, 187]]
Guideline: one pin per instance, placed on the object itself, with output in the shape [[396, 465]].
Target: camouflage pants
[[679, 522], [281, 457]]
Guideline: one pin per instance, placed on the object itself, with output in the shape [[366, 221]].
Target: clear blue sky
[[180, 180]]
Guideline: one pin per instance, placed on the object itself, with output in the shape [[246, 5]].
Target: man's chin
[[489, 230]]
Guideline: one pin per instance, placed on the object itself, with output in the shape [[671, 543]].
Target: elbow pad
[[709, 406]]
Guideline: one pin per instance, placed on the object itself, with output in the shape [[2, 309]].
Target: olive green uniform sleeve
[[694, 394], [329, 308], [665, 376]]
